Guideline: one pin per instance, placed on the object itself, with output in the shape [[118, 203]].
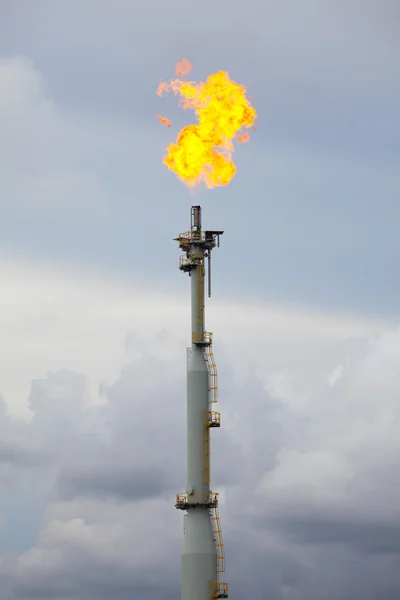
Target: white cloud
[[92, 322]]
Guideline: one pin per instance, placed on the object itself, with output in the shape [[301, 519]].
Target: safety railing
[[214, 418], [202, 337], [184, 240], [185, 501], [189, 262], [186, 237], [218, 589], [212, 373], [184, 262]]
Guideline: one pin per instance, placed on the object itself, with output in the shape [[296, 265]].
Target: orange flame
[[183, 67], [163, 87], [164, 121], [203, 152], [244, 137]]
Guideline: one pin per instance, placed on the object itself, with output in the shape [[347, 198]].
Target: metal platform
[[186, 501]]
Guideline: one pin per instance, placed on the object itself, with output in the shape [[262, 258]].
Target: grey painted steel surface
[[197, 401], [199, 559], [198, 328], [199, 556]]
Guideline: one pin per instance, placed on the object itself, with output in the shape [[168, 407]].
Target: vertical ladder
[[206, 447], [219, 542], [212, 373], [211, 418], [200, 295]]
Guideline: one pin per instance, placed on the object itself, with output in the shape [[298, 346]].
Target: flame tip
[[203, 151]]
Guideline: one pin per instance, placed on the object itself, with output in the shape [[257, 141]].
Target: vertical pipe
[[197, 387], [209, 273], [196, 217], [197, 296]]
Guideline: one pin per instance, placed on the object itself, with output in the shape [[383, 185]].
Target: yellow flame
[[203, 152]]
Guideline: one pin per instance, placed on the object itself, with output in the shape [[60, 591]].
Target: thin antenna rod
[[209, 273]]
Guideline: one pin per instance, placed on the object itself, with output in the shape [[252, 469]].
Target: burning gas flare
[[183, 67], [244, 137], [164, 121], [203, 152]]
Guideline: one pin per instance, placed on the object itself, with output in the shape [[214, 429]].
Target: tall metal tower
[[203, 557]]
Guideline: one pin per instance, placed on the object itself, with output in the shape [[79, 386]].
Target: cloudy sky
[[94, 316]]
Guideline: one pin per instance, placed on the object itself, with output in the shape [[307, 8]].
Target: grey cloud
[[370, 537], [109, 548], [353, 501], [59, 396], [123, 448], [23, 455], [103, 480]]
